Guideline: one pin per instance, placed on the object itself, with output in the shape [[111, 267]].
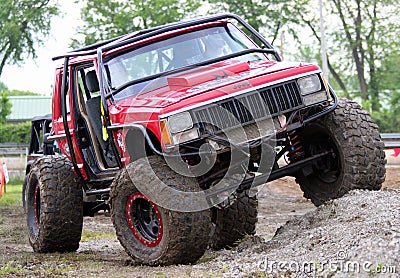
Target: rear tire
[[359, 158], [53, 205], [234, 223], [151, 234]]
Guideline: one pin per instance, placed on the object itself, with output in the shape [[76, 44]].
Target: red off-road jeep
[[173, 128]]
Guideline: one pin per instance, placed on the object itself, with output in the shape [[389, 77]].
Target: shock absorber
[[296, 151]]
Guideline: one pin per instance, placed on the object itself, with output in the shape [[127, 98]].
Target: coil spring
[[296, 151]]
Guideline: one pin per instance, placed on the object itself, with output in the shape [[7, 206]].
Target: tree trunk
[[5, 58], [373, 82], [356, 47], [334, 73], [338, 80]]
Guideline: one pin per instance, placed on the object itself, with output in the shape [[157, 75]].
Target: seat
[[93, 110], [184, 54], [92, 83], [93, 107], [214, 47]]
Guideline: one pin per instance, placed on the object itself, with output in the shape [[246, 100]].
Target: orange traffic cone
[[2, 180]]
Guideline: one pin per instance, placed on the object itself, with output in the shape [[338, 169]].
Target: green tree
[[3, 87], [388, 77], [5, 107], [366, 28], [389, 72], [21, 93], [24, 24], [15, 133], [360, 35], [105, 19], [265, 16]]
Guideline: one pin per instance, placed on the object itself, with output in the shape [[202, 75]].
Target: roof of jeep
[[147, 33]]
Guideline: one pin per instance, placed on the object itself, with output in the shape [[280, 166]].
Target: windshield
[[176, 52]]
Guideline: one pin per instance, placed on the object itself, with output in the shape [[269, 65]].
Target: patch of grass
[[14, 268], [89, 235], [13, 196], [224, 267], [258, 274], [10, 269], [239, 241], [15, 181], [207, 258]]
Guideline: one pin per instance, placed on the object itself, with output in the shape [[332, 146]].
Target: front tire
[[358, 160], [234, 223], [53, 205], [151, 234]]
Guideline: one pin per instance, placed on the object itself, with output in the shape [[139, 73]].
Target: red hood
[[169, 90]]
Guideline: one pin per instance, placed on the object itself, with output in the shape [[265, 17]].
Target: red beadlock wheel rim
[[144, 219]]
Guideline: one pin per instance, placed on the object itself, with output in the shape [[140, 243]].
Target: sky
[[38, 75]]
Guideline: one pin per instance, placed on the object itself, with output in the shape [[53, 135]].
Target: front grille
[[248, 108]]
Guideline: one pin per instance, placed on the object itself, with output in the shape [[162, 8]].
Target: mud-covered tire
[[181, 238], [232, 224], [54, 205], [359, 158]]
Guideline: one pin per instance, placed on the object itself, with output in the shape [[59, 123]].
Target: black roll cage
[[147, 33], [99, 48]]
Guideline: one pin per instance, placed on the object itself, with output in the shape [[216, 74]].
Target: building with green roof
[[24, 108]]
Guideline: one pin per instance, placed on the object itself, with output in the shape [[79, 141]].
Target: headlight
[[180, 122], [185, 136], [309, 84], [178, 129]]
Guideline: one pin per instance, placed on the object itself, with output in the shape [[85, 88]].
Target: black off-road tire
[[234, 223], [54, 203], [184, 236], [359, 160]]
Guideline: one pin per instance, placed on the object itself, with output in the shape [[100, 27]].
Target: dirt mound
[[357, 235]]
